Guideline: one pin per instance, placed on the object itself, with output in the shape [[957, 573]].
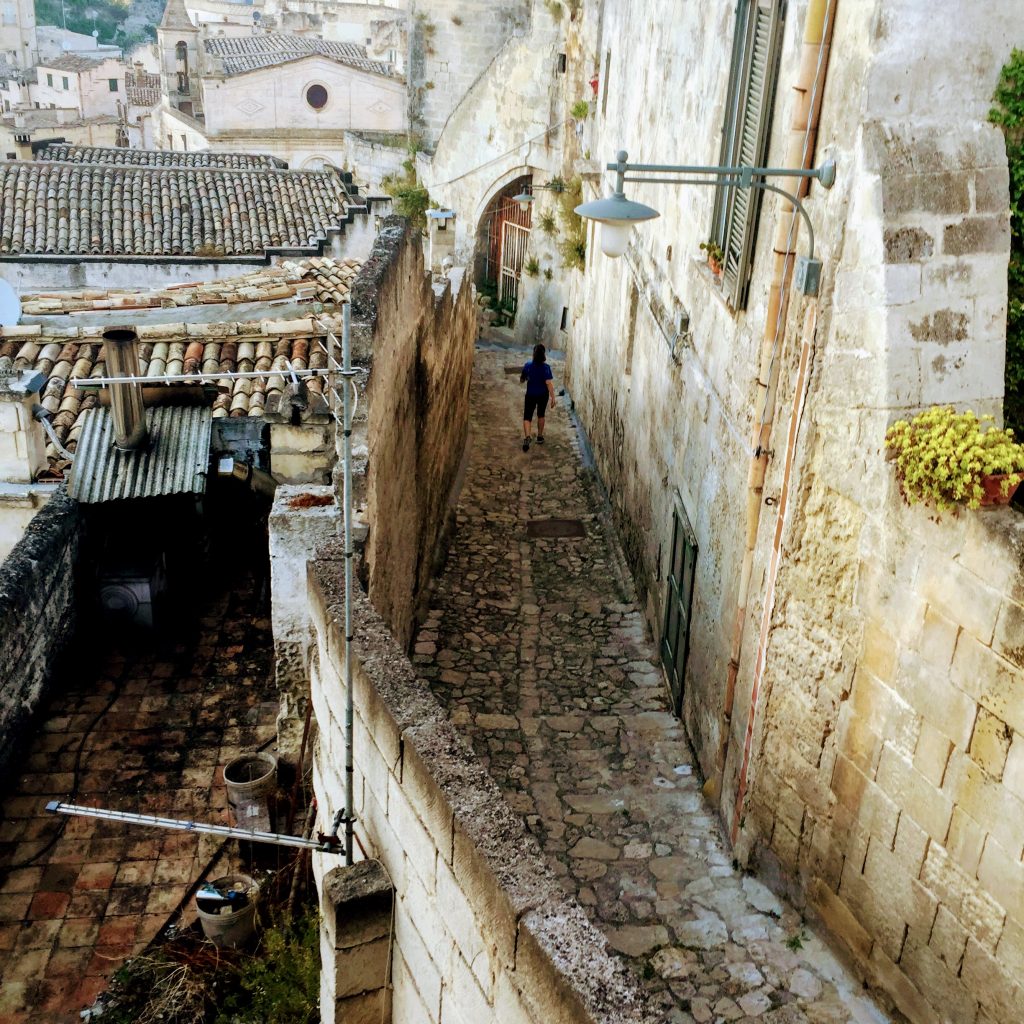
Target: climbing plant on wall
[[1008, 113], [411, 199]]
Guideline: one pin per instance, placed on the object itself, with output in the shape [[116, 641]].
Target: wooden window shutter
[[745, 135]]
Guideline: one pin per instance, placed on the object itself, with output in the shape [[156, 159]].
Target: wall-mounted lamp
[[443, 217], [617, 215], [526, 196]]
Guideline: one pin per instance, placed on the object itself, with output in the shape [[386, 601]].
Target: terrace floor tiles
[[89, 893]]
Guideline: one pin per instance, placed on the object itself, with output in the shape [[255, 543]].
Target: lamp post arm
[[825, 173], [737, 183]]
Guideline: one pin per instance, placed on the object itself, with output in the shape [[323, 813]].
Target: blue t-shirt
[[537, 377]]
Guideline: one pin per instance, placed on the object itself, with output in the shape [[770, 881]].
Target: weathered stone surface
[[555, 705]]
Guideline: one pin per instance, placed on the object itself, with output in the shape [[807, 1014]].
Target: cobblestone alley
[[540, 655]]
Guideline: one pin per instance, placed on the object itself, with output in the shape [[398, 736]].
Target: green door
[[675, 636]]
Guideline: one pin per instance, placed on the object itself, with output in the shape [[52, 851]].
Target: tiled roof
[[319, 278], [102, 210], [240, 54], [72, 62], [175, 461], [142, 88], [75, 353], [65, 153]]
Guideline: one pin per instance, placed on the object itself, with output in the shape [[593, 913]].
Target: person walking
[[540, 388]]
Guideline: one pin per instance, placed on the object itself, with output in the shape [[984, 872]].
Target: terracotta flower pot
[[716, 267], [993, 486]]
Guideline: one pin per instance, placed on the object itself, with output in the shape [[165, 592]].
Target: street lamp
[[617, 215], [526, 196]]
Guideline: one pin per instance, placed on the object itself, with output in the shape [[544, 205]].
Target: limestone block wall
[[37, 615], [482, 930], [451, 44], [371, 158], [420, 342], [296, 528]]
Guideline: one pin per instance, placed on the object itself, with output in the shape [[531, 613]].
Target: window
[[316, 97], [64, 82], [561, 63], [49, 81], [112, 84], [564, 325], [675, 635], [745, 136], [182, 81], [181, 51], [12, 156]]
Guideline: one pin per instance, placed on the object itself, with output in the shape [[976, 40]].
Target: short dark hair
[[539, 354]]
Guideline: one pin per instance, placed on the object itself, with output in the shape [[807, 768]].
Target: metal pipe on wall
[[126, 406], [800, 152], [346, 369]]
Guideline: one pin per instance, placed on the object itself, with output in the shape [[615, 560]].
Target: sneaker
[[526, 444], [540, 440]]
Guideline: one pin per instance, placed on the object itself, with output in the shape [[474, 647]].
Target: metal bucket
[[231, 927]]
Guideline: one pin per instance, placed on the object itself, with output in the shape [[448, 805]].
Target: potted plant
[[715, 256], [947, 458]]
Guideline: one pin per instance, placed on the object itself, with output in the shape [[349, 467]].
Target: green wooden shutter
[[745, 136]]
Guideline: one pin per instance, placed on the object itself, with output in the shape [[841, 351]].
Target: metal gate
[[675, 636], [514, 239]]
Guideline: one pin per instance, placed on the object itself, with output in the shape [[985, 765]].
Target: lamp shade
[[617, 215], [523, 199], [616, 208]]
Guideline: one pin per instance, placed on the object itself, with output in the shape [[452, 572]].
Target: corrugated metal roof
[[175, 461]]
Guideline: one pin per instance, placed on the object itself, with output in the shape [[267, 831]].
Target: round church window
[[316, 97]]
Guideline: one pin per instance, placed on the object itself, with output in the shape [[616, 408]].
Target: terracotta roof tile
[[72, 62], [77, 353], [240, 54], [64, 153], [142, 88], [107, 210], [319, 278]]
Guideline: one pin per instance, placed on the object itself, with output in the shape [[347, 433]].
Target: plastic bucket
[[250, 778], [231, 927]]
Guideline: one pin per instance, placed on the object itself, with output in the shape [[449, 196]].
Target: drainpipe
[[799, 153]]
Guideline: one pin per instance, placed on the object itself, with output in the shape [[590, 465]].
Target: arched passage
[[503, 233]]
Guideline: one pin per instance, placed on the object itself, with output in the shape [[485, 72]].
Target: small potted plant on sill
[[715, 256], [946, 458]]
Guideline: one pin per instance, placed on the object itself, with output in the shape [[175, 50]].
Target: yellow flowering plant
[[943, 455]]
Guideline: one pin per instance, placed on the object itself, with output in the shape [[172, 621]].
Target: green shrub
[[573, 247], [942, 455], [580, 110], [531, 268], [411, 199], [1008, 113]]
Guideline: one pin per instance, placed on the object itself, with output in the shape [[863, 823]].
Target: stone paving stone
[[540, 654], [78, 896]]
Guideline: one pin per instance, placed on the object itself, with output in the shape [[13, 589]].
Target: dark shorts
[[538, 402]]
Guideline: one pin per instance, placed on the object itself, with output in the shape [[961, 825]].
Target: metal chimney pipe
[[125, 399]]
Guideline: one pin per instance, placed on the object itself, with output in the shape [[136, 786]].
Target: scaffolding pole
[[346, 369]]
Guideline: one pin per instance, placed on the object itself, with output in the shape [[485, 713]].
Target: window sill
[[713, 281]]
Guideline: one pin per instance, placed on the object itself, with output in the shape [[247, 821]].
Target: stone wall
[[451, 44], [880, 674], [482, 929], [297, 527], [420, 340], [372, 157], [37, 616]]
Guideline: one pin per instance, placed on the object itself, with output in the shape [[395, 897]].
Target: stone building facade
[[858, 727]]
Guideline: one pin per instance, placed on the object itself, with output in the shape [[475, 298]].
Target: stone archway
[[502, 237]]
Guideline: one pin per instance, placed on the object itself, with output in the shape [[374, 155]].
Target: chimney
[[126, 406]]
